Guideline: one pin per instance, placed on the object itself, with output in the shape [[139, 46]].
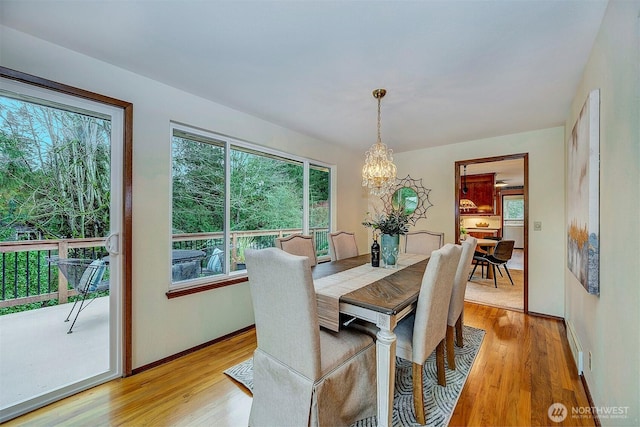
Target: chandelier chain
[[379, 120]]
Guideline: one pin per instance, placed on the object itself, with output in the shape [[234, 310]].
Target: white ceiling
[[454, 70], [510, 171]]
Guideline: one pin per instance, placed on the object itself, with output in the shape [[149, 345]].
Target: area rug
[[483, 290], [439, 401]]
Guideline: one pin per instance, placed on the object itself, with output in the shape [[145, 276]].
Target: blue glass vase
[[390, 247]]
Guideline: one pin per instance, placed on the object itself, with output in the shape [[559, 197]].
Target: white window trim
[[228, 143]]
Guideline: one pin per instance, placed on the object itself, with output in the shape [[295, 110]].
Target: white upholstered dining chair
[[303, 375], [342, 245], [299, 244], [423, 242], [424, 331], [455, 317]]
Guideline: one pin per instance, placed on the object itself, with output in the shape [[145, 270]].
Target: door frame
[[127, 191], [525, 157]]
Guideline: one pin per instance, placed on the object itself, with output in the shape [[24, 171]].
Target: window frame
[[228, 278], [506, 200]]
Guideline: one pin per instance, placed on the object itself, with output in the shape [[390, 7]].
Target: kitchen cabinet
[[481, 191]]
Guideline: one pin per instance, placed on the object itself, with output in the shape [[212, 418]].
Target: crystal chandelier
[[379, 172]]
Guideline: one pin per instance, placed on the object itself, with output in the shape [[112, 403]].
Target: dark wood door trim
[[127, 191], [525, 191]]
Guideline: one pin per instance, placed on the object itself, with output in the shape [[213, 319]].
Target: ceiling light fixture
[[501, 183], [379, 172]]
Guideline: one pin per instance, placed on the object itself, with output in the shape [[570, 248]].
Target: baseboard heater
[[576, 348]]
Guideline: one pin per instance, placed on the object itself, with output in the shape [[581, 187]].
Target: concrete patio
[[38, 356]]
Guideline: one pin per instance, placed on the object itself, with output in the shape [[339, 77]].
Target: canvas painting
[[583, 192]]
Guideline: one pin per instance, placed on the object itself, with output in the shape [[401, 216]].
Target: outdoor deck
[[37, 354]]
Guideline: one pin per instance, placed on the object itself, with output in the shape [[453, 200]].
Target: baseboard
[[594, 414], [575, 346], [190, 350]]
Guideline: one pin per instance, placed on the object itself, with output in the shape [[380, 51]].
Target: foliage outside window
[[54, 172], [54, 184], [513, 207], [229, 196]]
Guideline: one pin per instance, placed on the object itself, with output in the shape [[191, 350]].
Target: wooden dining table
[[383, 302]]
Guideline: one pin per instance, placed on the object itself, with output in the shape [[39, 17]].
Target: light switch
[[537, 225]]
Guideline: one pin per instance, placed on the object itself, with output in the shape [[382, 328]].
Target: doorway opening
[[491, 203]]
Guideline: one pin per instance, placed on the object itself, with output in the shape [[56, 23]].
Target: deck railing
[[26, 276]]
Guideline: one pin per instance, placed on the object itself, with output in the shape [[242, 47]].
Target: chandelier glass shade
[[379, 173], [466, 204]]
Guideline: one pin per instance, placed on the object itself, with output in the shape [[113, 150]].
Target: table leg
[[386, 374]]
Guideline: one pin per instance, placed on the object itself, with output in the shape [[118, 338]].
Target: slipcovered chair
[[425, 330], [298, 244], [303, 375], [456, 305], [343, 245], [423, 242]]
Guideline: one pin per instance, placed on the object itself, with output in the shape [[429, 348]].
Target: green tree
[[198, 186], [57, 164]]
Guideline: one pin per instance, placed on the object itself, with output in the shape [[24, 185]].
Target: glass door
[[60, 221]]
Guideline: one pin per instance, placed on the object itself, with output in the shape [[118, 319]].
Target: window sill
[[189, 290]]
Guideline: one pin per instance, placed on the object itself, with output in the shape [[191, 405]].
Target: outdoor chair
[[215, 264], [85, 275]]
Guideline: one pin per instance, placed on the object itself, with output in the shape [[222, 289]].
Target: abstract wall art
[[583, 194]]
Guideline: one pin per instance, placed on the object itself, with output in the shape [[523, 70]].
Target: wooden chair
[[298, 244], [423, 242], [342, 245], [499, 257], [425, 330], [303, 375], [456, 305]]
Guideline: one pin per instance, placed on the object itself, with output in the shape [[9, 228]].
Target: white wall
[[163, 327], [608, 326], [546, 201]]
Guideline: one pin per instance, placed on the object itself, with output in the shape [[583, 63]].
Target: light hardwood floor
[[524, 365]]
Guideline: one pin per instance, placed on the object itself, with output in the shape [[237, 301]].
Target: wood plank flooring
[[524, 366]]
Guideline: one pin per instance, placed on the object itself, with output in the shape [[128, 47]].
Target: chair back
[[430, 325], [216, 261], [284, 304], [298, 244], [456, 303], [503, 250], [342, 245], [423, 242]]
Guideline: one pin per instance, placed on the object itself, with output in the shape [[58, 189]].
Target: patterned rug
[[439, 401]]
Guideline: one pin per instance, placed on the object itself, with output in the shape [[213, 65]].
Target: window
[[228, 196], [319, 207], [513, 208]]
